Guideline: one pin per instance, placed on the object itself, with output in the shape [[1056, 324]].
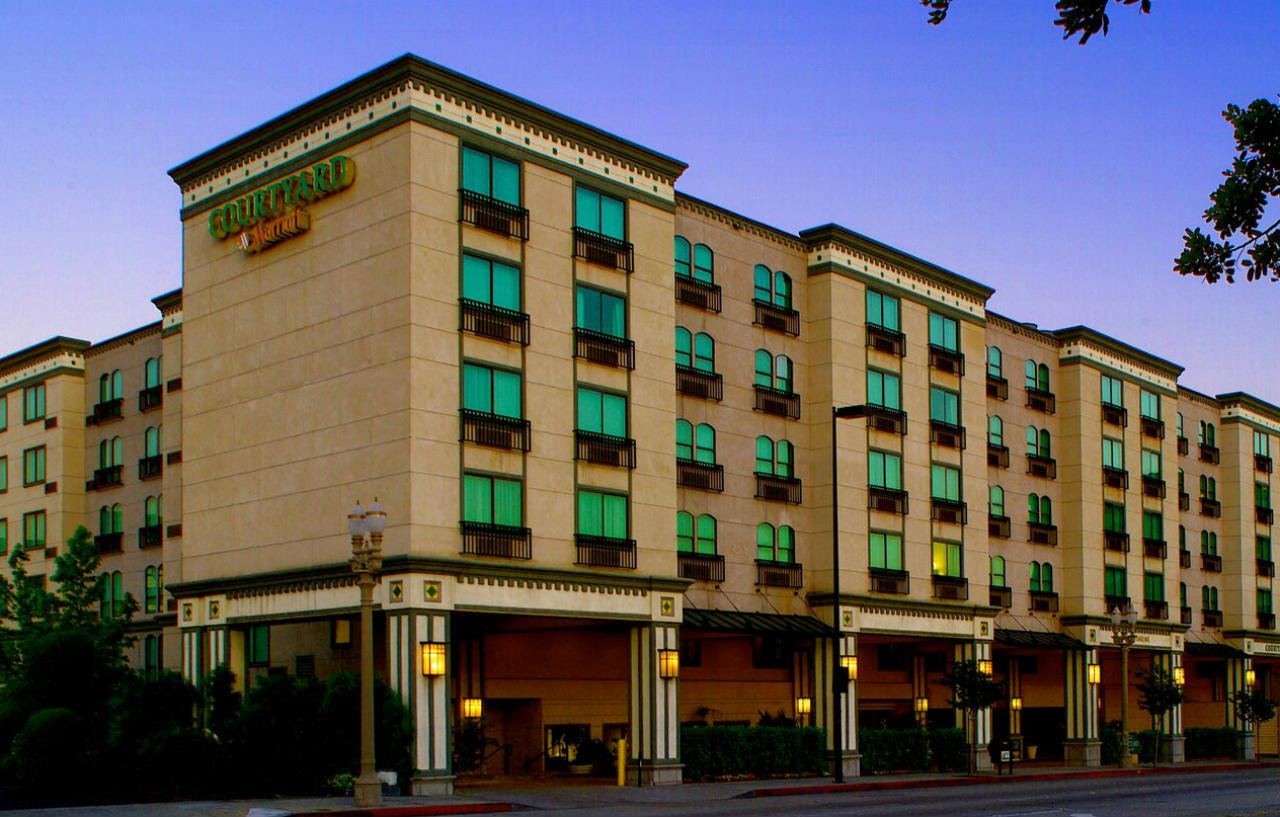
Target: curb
[[412, 811], [944, 782]]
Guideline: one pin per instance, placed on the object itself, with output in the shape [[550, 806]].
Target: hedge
[[893, 750], [949, 750], [716, 752], [1205, 742]]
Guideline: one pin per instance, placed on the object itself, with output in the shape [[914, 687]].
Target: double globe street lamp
[[366, 563], [1124, 631]]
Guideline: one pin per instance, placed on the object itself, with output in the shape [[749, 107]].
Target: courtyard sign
[[278, 211]]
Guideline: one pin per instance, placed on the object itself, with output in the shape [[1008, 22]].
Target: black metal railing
[[1040, 533], [1210, 507], [1210, 454], [1152, 427], [883, 418], [1038, 466], [1116, 541], [888, 500], [947, 435], [489, 539], [1184, 501], [1185, 616], [699, 383], [1000, 526], [1154, 548], [495, 322], [493, 215], [107, 410], [1044, 601], [1153, 487], [777, 488], [775, 401], [495, 430], [946, 360], [1042, 400], [889, 341], [950, 588], [106, 477], [1263, 514], [603, 348], [702, 294], [997, 455], [1001, 597], [1184, 446], [950, 511], [150, 536], [1184, 559], [997, 387], [779, 318], [888, 580], [150, 467], [1266, 621], [1210, 563], [1262, 462], [1115, 477], [605, 551], [1212, 618], [603, 250], [109, 542], [705, 476], [779, 574], [605, 449], [150, 398], [1115, 415], [1266, 568], [701, 567], [1120, 603]]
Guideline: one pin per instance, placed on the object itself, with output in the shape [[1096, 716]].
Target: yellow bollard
[[622, 761]]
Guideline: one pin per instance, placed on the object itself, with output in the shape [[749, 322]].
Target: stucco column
[[194, 666], [1083, 746], [427, 696], [977, 733], [1237, 671], [1172, 743], [653, 739], [830, 675]]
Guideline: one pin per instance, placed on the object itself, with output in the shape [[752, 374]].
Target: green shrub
[[1205, 742], [51, 743], [1110, 745], [1147, 744], [711, 752], [890, 750], [949, 750]]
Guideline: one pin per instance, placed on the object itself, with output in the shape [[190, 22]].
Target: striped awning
[[1037, 640], [756, 623]]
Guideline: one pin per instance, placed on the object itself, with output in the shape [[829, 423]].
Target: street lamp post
[[839, 675], [366, 563], [1124, 631]]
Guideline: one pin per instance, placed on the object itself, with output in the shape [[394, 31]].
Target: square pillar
[[1083, 746], [427, 696], [831, 680], [1237, 669], [1173, 746], [653, 706], [977, 732]]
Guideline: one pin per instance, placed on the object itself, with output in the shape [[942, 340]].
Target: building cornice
[[125, 339], [1025, 330], [738, 222]]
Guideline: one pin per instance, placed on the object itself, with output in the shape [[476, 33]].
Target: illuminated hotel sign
[[278, 211]]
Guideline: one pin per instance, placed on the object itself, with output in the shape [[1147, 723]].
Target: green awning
[[1212, 650], [755, 623], [1037, 640]]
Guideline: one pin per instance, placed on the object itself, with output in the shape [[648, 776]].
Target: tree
[[1252, 706], [1158, 693], [972, 691], [1082, 17]]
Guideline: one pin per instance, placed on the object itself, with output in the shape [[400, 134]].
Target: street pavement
[[1189, 790]]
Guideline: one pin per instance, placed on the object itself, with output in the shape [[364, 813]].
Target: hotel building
[[601, 416]]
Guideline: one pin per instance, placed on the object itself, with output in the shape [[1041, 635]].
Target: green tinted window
[[885, 550], [997, 571], [33, 403], [995, 362], [946, 559], [946, 483], [1264, 601], [601, 412], [492, 500], [885, 470], [258, 644], [602, 312], [683, 256], [684, 347], [1152, 526], [684, 532], [703, 264], [1116, 583], [1112, 391], [1262, 548], [1149, 404], [882, 310], [33, 465], [600, 213], [944, 332], [1112, 453], [944, 406], [995, 430], [493, 391], [490, 176], [601, 514], [490, 282], [884, 389], [1113, 518], [995, 501], [1151, 465], [1152, 587]]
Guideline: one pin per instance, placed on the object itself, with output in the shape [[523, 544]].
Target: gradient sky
[[1061, 175]]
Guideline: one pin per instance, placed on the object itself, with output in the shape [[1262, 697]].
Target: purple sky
[[1061, 175]]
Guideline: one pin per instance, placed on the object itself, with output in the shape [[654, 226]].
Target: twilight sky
[[1061, 175]]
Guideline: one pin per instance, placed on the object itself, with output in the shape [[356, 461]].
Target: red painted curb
[[944, 782], [412, 811]]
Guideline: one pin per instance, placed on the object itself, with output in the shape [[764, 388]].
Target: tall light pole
[[366, 563], [1124, 631], [839, 674]]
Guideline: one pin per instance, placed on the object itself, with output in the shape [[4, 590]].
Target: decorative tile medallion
[[667, 605], [397, 590], [431, 591]]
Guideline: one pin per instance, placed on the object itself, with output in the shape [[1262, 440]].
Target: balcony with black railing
[[1042, 400], [693, 292], [603, 348], [705, 476], [1262, 463], [883, 418], [1210, 563], [1266, 568], [605, 449], [1184, 446], [699, 383], [776, 401], [150, 398], [947, 435], [1155, 610], [1184, 559], [999, 526], [1211, 618], [1266, 621], [150, 536], [1041, 533], [501, 541], [701, 567], [887, 500], [889, 341], [777, 488], [493, 215], [1184, 615], [109, 542], [496, 322], [779, 318], [1153, 487], [1120, 603], [950, 588], [1115, 477], [1184, 501], [1210, 454], [1115, 415], [1115, 541], [106, 411], [946, 360], [997, 455], [1038, 466], [150, 467], [495, 430], [997, 387], [779, 574], [950, 511], [605, 551], [1001, 597], [1043, 601], [108, 477], [1263, 514], [887, 580], [1210, 507], [1154, 548], [1152, 427], [603, 250]]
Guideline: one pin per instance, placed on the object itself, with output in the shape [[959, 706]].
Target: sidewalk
[[493, 797]]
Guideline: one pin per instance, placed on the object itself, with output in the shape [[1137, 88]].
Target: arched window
[[117, 385], [117, 518], [704, 352], [1182, 593], [1208, 543], [995, 361], [1042, 377], [684, 347], [995, 501], [152, 372], [764, 368], [152, 586], [1046, 577], [1033, 445], [151, 657], [997, 571], [1046, 510], [776, 373], [1035, 577], [1033, 509], [995, 430], [704, 443], [151, 511], [1031, 375], [775, 459], [703, 263], [706, 542], [1206, 434], [1180, 434], [684, 440], [151, 441], [1208, 487], [772, 287], [104, 520], [683, 257], [684, 531], [104, 388], [117, 594], [117, 451], [775, 545]]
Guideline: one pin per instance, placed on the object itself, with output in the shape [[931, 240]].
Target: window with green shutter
[[490, 176], [884, 470], [602, 412], [1264, 601], [944, 406], [33, 403], [1262, 548], [1261, 495], [1116, 582], [1113, 518], [492, 391], [946, 559], [1152, 526], [884, 389], [600, 311], [492, 500], [600, 213], [882, 310], [258, 645], [602, 514], [1112, 453], [490, 282], [944, 332], [1112, 391], [885, 550], [945, 483], [1152, 587]]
